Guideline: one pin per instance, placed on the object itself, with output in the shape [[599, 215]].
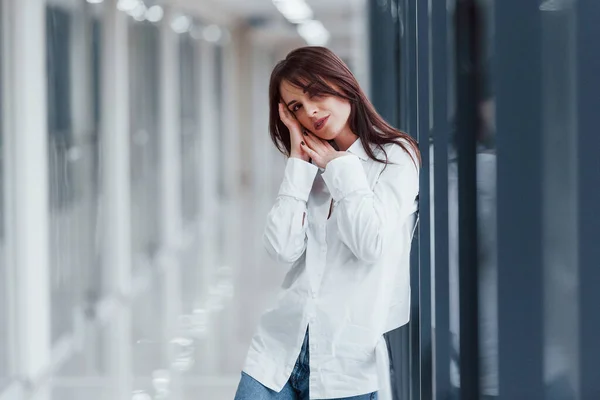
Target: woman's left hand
[[319, 150]]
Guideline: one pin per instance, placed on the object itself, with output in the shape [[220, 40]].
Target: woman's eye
[[296, 107]]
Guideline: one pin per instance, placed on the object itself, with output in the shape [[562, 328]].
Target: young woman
[[342, 223]]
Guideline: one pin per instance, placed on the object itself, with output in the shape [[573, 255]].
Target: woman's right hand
[[296, 130]]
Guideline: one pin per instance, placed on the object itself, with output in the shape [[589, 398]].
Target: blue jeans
[[296, 387]]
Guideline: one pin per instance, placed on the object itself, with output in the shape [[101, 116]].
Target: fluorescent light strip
[[313, 32], [300, 13], [294, 11]]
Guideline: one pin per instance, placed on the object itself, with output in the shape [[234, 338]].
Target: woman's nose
[[311, 109]]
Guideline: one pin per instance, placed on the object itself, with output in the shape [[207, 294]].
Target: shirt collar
[[358, 150]]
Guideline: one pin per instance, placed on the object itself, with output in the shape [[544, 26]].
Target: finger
[[314, 142], [312, 145], [329, 146], [311, 153]]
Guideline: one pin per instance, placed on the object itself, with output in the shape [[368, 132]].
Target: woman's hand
[[320, 150], [295, 128]]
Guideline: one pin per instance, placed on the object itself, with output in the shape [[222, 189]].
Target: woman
[[342, 223]]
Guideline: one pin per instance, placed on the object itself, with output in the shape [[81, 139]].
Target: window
[[190, 167], [4, 311], [144, 152], [73, 55]]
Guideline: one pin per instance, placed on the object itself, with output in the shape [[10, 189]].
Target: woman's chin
[[325, 135]]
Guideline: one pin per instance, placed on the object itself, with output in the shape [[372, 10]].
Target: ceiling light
[[127, 5], [313, 32], [155, 14], [181, 24], [294, 11], [139, 12], [212, 33]]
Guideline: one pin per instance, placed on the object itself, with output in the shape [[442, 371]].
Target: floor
[[185, 334]]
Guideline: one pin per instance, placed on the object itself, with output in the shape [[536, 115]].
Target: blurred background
[[136, 171]]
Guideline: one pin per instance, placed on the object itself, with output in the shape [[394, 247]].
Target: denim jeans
[[296, 387]]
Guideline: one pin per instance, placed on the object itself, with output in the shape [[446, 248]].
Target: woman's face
[[326, 116]]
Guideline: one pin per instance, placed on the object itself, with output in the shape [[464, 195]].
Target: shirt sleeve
[[285, 231], [367, 218]]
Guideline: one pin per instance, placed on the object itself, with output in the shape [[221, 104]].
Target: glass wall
[[559, 190], [144, 94], [222, 186], [505, 196], [487, 247], [190, 167], [4, 305], [73, 36], [189, 72]]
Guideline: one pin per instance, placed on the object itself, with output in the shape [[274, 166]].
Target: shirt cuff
[[298, 179], [345, 175]]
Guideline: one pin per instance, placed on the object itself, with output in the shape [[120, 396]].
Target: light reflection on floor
[[185, 336]]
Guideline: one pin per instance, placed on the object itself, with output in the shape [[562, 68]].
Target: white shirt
[[349, 275]]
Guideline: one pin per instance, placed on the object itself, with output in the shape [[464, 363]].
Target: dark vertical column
[[519, 195], [466, 68], [384, 60], [588, 60], [440, 132], [386, 95], [411, 124], [423, 130]]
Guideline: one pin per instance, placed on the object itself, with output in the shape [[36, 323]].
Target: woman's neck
[[345, 139]]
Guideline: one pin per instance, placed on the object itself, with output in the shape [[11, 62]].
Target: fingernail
[[302, 143]]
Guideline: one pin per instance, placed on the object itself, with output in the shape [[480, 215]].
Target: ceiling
[[338, 16]]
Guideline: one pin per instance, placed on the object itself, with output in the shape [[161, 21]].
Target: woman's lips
[[321, 123]]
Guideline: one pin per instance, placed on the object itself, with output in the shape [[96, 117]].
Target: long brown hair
[[315, 70]]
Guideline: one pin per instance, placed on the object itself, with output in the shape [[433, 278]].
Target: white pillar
[[170, 134], [26, 158], [208, 160], [170, 180], [209, 190], [116, 192], [235, 125], [119, 353], [115, 135]]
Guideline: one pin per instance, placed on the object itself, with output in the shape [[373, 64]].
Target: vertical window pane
[[189, 127], [145, 156], [72, 74], [220, 138], [486, 205], [190, 169], [560, 240], [4, 322], [453, 203], [61, 180]]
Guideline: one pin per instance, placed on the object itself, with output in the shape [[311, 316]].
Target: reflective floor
[[185, 333]]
